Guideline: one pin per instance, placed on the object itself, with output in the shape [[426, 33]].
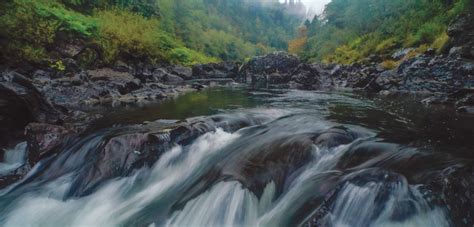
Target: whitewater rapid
[[227, 203]]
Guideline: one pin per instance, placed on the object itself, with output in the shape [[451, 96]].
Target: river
[[239, 157]]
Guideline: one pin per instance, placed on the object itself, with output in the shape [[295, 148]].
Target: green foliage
[[350, 30], [228, 29], [25, 34], [178, 31], [188, 57], [68, 20]]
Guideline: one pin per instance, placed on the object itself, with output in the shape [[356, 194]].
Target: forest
[[349, 31], [182, 31], [199, 31]]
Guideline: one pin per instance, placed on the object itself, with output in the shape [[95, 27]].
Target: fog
[[317, 6]]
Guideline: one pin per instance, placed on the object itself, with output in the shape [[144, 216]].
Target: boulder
[[185, 73], [43, 139], [305, 77], [215, 70], [281, 63], [461, 32], [20, 104]]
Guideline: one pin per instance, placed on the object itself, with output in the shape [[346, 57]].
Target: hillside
[[351, 30], [101, 32]]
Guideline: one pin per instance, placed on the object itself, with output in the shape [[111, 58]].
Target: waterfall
[[360, 205], [13, 158], [120, 201], [226, 204]]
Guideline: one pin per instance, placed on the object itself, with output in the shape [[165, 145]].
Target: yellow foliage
[[344, 55], [440, 42], [389, 64], [386, 45], [126, 31], [296, 46]]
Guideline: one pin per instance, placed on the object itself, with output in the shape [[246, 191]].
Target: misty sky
[[316, 5]]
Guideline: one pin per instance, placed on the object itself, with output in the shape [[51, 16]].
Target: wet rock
[[305, 77], [172, 79], [121, 66], [198, 86], [281, 63], [387, 183], [43, 140], [454, 184], [20, 104], [437, 99], [185, 73], [215, 70]]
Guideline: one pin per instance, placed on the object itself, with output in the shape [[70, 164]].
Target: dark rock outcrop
[[20, 104], [305, 77], [461, 32], [43, 140], [215, 70], [185, 73], [278, 63]]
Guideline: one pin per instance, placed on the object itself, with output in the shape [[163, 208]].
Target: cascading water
[[13, 158], [262, 168]]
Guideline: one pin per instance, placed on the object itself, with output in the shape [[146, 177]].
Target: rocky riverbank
[[446, 78]]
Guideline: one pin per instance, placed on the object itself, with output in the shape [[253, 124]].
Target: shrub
[[440, 43], [387, 45], [428, 33], [126, 34], [389, 64], [187, 56]]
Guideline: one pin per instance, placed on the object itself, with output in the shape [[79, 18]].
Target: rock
[[432, 74], [198, 86], [43, 139], [20, 104], [215, 70], [437, 99], [455, 190], [71, 66], [108, 74], [465, 109], [280, 63], [305, 77], [430, 52], [461, 32], [69, 49], [133, 147], [399, 54], [121, 66], [184, 72], [159, 74], [173, 79]]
